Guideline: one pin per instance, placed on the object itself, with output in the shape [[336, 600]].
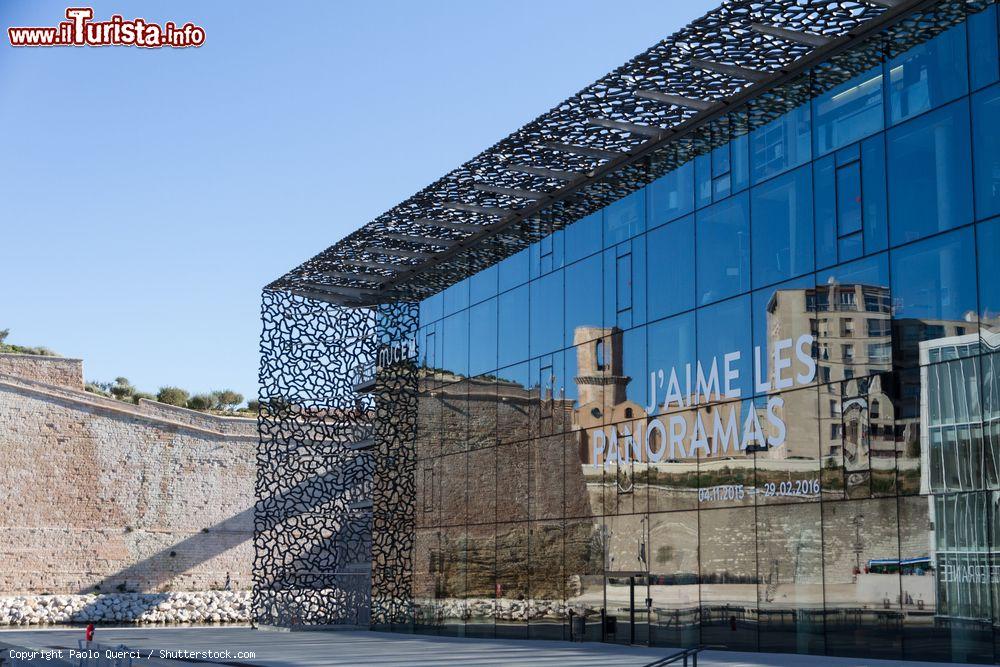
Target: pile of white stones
[[187, 607]]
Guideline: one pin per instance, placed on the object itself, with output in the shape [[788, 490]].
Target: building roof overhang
[[600, 144]]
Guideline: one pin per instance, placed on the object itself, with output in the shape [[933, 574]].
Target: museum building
[[707, 355]]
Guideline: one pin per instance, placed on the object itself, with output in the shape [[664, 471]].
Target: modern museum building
[[707, 355]]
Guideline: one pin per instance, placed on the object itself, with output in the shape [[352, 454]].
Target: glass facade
[[755, 404]]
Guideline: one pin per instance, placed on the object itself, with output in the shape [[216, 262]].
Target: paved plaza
[[348, 648]]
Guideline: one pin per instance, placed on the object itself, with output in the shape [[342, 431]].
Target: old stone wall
[[50, 370], [101, 496]]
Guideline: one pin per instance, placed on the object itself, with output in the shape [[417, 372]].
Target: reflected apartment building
[[733, 385]]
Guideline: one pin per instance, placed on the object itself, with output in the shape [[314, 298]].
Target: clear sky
[[147, 195]]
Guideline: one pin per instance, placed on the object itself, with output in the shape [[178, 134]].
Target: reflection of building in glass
[[960, 453], [571, 458]]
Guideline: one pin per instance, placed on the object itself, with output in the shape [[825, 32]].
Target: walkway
[[348, 648]]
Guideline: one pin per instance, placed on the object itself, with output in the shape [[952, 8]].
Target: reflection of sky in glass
[[513, 326], [670, 268], [723, 328], [929, 173], [670, 344], [483, 337], [546, 314], [723, 249], [783, 227], [928, 75], [935, 279]]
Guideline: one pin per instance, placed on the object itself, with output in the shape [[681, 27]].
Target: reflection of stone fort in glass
[[870, 530]]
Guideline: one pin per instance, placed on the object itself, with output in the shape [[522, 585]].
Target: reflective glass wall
[[755, 404]]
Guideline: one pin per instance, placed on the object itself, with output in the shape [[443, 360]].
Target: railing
[[364, 377], [679, 656]]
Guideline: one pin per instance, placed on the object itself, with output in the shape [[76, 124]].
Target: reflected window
[[929, 174], [513, 317], [513, 271], [671, 195], [669, 254], [625, 218], [483, 337], [934, 290], [546, 321], [584, 286], [986, 139], [984, 60], [583, 237], [848, 112], [928, 75], [723, 240], [782, 228], [780, 145]]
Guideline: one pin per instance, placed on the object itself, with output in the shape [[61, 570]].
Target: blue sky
[[148, 195]]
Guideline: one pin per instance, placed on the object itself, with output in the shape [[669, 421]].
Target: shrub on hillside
[[173, 396]]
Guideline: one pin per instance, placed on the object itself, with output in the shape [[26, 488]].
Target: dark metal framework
[[614, 136]]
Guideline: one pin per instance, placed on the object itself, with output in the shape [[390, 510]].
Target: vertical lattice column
[[394, 488], [312, 529]]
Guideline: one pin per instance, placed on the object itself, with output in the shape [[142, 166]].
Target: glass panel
[[723, 240], [782, 227], [512, 580], [431, 309], [481, 485], [876, 228], [670, 267], [625, 218], [546, 580], [703, 180], [626, 586], [740, 149], [781, 144], [724, 329], [934, 296], [986, 139], [928, 75], [848, 112], [456, 297], [583, 237], [951, 533], [983, 55], [514, 394], [547, 314], [513, 344], [584, 286], [454, 399], [988, 241], [790, 584], [728, 555], [825, 197], [671, 195], [481, 580], [483, 337], [851, 305], [513, 271], [929, 174], [584, 544], [849, 199], [863, 615], [483, 285], [673, 579], [456, 343]]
